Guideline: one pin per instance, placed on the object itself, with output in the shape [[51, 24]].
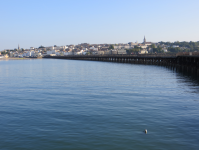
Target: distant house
[[143, 51], [6, 56], [142, 46], [70, 52], [148, 43], [52, 52], [174, 46], [100, 52], [122, 51], [93, 48], [107, 52], [114, 52], [30, 53]]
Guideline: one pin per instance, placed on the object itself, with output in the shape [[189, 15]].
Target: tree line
[[185, 46]]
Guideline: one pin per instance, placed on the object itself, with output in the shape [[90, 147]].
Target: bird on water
[[145, 131]]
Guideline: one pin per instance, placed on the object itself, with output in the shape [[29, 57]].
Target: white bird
[[145, 131]]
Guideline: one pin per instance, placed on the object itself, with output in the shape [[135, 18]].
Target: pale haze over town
[[64, 22]]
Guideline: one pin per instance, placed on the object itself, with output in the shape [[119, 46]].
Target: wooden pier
[[189, 63]]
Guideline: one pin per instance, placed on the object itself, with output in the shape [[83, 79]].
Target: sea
[[53, 104]]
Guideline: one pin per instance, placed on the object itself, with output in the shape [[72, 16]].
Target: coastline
[[14, 58]]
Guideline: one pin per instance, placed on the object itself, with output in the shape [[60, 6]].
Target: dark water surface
[[48, 104]]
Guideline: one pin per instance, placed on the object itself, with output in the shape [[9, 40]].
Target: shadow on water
[[188, 76]]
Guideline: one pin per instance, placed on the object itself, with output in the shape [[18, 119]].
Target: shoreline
[[13, 58]]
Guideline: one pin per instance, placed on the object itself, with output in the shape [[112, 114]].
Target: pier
[[185, 62]]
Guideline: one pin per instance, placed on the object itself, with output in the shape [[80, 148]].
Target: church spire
[[144, 41]]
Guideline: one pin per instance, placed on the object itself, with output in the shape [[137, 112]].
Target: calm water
[[50, 104]]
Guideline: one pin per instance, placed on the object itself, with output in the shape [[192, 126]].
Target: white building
[[174, 46], [143, 46], [68, 53], [51, 52], [30, 53], [144, 51], [93, 48], [58, 53]]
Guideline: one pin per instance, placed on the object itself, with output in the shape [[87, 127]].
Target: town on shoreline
[[102, 49]]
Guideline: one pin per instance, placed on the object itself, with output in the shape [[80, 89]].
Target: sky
[[32, 23]]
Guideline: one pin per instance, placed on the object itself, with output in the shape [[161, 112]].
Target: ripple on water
[[62, 104]]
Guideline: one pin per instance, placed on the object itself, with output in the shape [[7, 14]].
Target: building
[[100, 52], [123, 46], [68, 53], [144, 41], [93, 48], [30, 53], [6, 56], [174, 46], [121, 51], [113, 52], [52, 52], [144, 51]]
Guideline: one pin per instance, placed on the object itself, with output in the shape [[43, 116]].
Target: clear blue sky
[[62, 22]]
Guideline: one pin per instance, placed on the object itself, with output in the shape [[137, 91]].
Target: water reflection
[[68, 104]]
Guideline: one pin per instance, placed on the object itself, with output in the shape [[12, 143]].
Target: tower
[[18, 46], [144, 41]]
